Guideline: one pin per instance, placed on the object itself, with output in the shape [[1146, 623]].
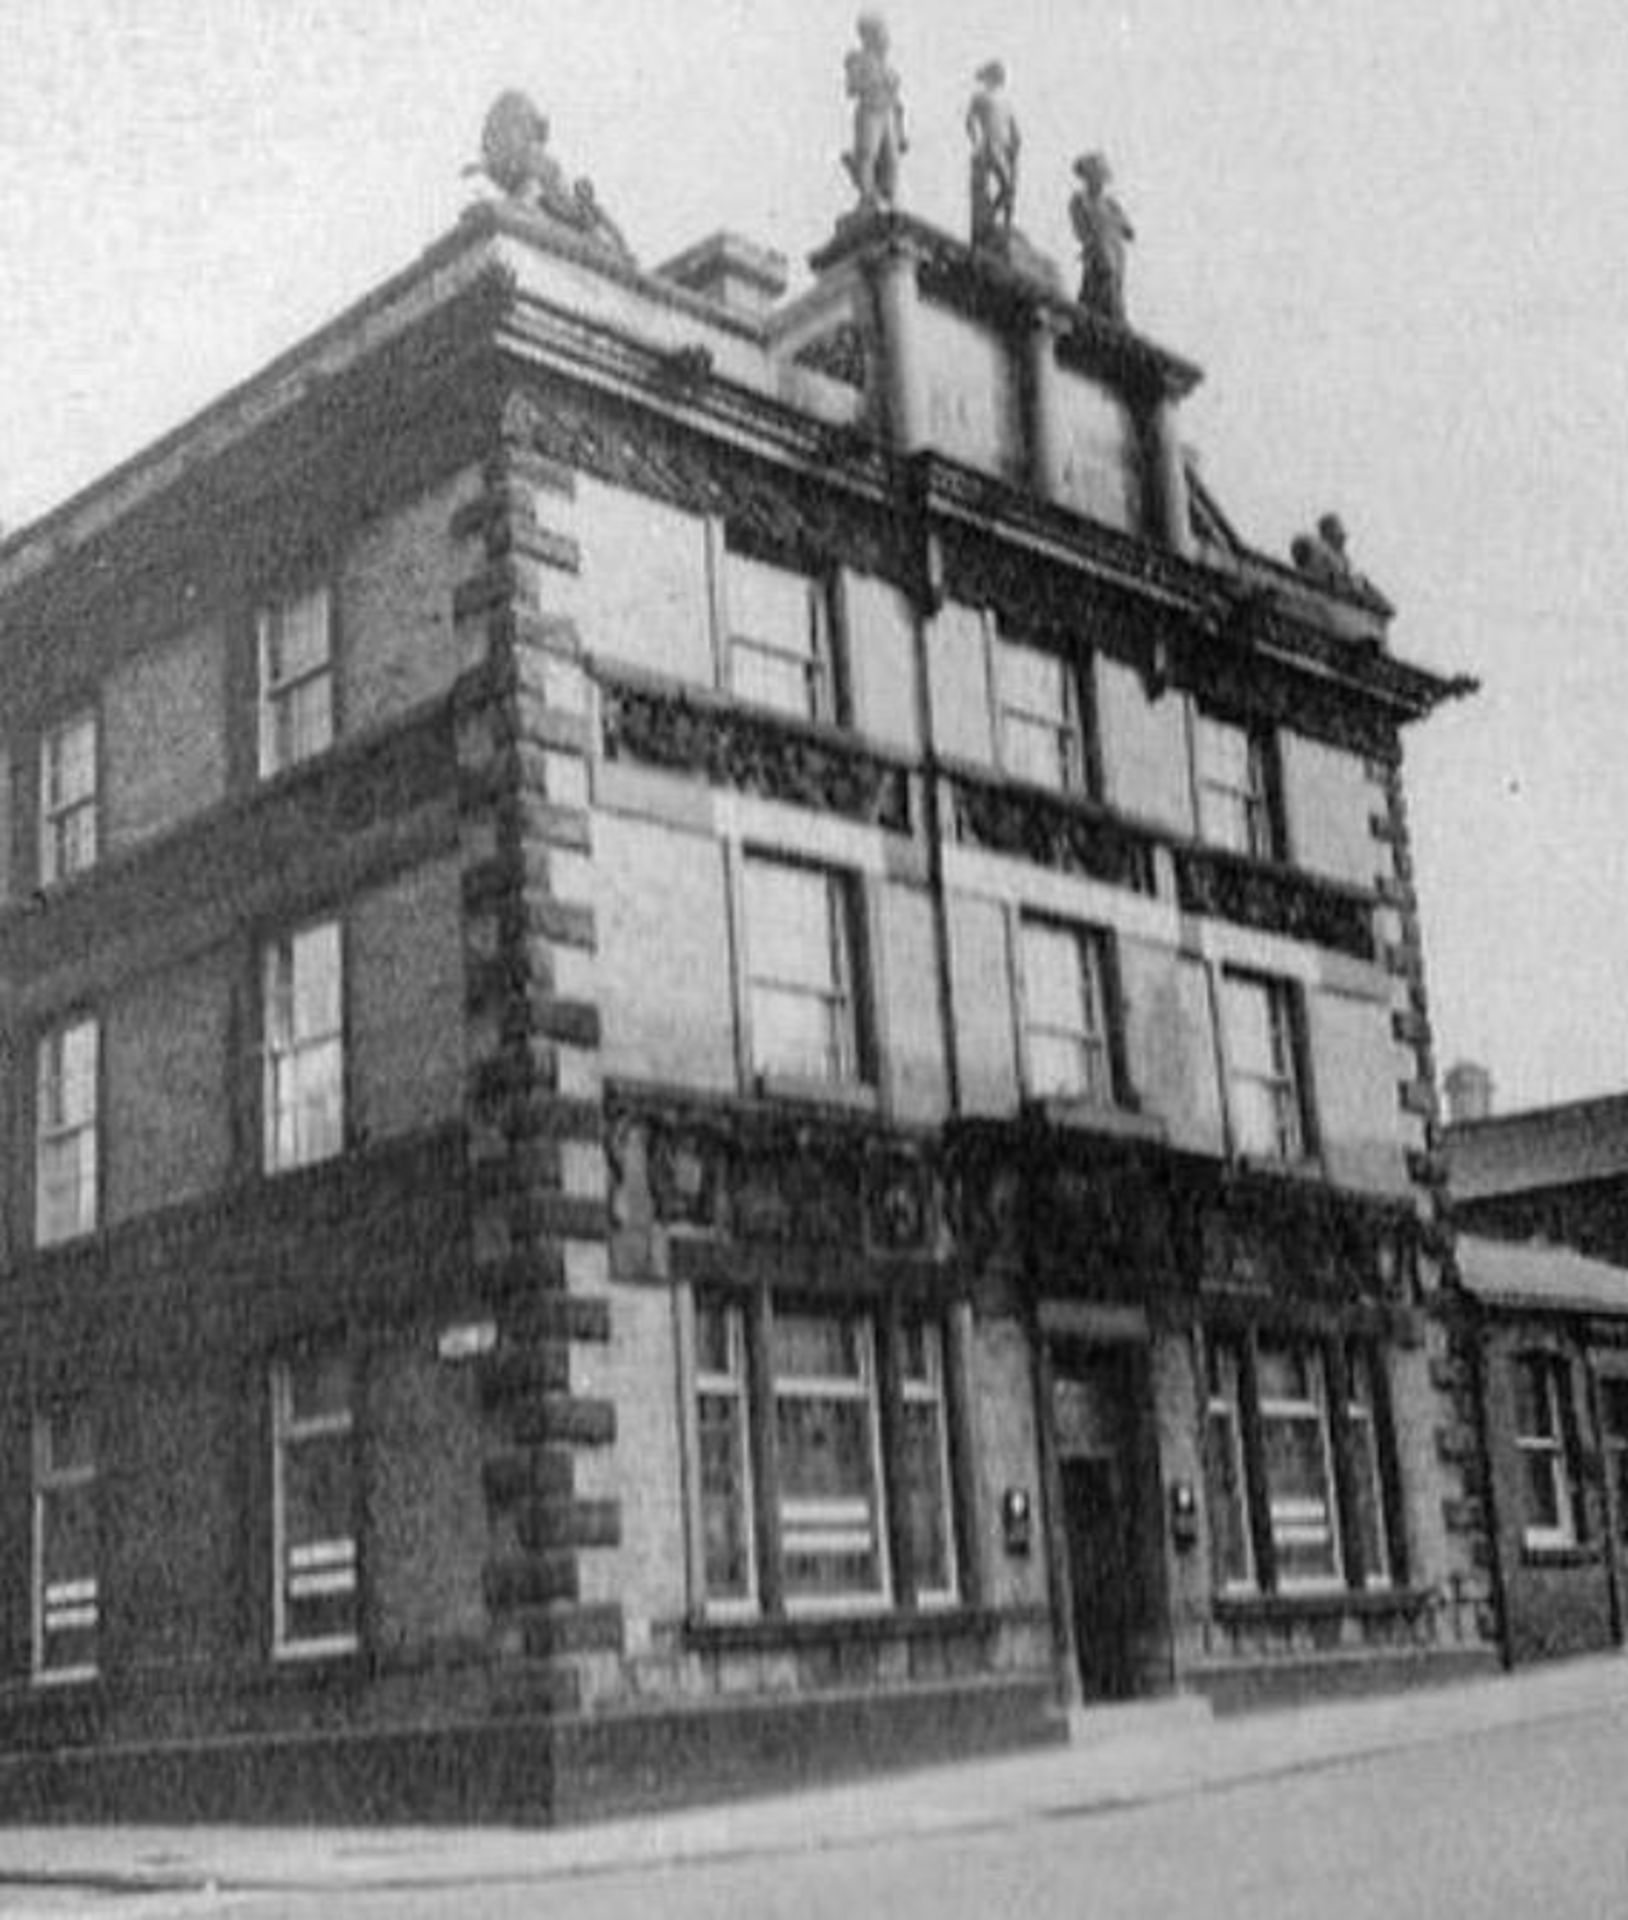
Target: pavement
[[1118, 1758]]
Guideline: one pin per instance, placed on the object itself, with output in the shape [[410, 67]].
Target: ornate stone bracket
[[1275, 899], [757, 753]]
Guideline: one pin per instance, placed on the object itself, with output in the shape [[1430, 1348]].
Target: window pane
[[1033, 681], [825, 1432], [788, 913], [296, 637], [801, 1007], [1053, 991], [1250, 1040], [811, 1346], [925, 1461], [725, 1461], [1543, 1503], [1534, 1405], [316, 1495], [725, 1497], [1224, 1497], [772, 605]]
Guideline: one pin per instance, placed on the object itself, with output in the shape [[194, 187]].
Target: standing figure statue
[[993, 130], [879, 139], [1103, 232]]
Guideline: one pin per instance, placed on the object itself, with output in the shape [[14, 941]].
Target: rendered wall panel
[[958, 676], [1170, 1043], [666, 987], [981, 989], [395, 608], [1144, 748], [163, 728], [642, 597], [1328, 800], [406, 1002], [881, 661], [167, 1078]]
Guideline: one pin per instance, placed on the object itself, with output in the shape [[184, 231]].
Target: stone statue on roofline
[[879, 139], [1103, 231], [996, 142], [516, 159], [1323, 556]]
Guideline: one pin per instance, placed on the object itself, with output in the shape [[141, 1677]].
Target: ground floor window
[[314, 1505], [1298, 1464], [1614, 1434], [823, 1456], [1545, 1438], [66, 1594]]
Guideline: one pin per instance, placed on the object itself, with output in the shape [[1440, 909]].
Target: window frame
[[1097, 979], [1069, 725], [1243, 817], [1556, 1448], [1307, 1410], [61, 857], [289, 1431], [849, 1042], [83, 1599], [280, 1053], [1328, 1361], [820, 665], [880, 1386], [81, 1131], [1612, 1385], [1286, 1080], [276, 694]]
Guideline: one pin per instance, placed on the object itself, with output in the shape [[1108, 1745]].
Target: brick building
[[715, 1057], [1540, 1204]]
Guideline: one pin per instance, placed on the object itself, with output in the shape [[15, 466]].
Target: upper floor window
[[1266, 1102], [65, 1132], [68, 799], [1041, 718], [781, 639], [294, 639], [314, 1505], [303, 998], [1067, 1055], [821, 1464], [1544, 1440], [1237, 800], [802, 942], [66, 1602]]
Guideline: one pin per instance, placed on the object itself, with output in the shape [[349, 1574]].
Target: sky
[[1394, 235]]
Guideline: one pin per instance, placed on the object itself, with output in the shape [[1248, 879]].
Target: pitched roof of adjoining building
[[1538, 1274], [1543, 1147]]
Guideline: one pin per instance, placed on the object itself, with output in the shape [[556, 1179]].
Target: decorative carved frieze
[[1275, 899], [1070, 836], [1304, 1241], [840, 353], [759, 753], [753, 1172], [760, 500]]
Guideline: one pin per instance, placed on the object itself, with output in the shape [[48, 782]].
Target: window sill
[[1099, 1116], [1243, 1608], [1539, 1555], [856, 1096], [803, 1630]]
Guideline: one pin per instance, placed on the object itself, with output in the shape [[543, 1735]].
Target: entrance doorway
[[1111, 1517]]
